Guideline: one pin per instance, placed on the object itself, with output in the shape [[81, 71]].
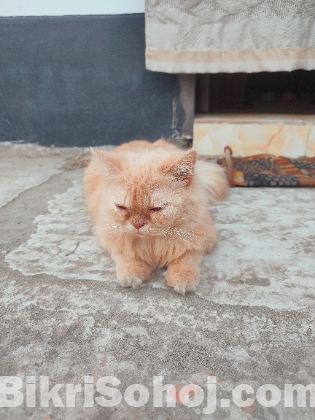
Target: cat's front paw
[[133, 275], [182, 281], [133, 282]]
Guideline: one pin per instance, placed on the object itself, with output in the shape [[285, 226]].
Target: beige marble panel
[[280, 119], [310, 148], [251, 139]]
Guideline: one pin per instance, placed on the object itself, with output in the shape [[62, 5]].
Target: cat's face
[[147, 195], [144, 209]]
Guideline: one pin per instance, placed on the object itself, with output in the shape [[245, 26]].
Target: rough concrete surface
[[63, 315]]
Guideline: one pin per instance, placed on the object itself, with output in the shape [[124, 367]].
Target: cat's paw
[[182, 281], [133, 282], [133, 275]]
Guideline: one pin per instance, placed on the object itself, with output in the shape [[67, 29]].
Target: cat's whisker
[[107, 226], [185, 235], [110, 230]]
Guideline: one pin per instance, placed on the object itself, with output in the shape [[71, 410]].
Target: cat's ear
[[107, 163], [181, 168]]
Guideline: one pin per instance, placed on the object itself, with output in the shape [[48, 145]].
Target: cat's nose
[[138, 225]]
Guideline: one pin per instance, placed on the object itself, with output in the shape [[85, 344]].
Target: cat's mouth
[[147, 231], [137, 232]]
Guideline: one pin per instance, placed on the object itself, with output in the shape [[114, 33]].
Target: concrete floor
[[64, 316]]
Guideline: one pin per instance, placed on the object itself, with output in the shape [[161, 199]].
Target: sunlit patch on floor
[[66, 228], [261, 257]]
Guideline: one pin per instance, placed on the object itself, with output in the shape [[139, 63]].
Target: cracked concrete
[[64, 316]]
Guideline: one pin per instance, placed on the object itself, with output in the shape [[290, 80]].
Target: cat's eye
[[156, 209], [120, 207]]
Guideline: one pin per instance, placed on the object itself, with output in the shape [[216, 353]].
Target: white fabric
[[210, 36]]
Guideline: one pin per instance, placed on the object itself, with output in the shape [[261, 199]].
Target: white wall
[[69, 7]]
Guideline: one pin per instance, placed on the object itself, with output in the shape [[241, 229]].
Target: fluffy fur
[[149, 204]]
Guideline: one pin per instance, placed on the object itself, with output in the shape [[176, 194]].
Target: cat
[[149, 203]]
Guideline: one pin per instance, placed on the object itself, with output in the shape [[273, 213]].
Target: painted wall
[[81, 80], [72, 73], [69, 7]]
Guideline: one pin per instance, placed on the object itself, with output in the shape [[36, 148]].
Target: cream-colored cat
[[149, 203]]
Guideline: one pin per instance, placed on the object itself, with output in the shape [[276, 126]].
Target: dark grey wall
[[82, 81]]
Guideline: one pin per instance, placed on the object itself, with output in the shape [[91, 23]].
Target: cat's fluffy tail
[[213, 179]]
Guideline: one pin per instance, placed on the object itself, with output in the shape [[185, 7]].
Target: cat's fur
[[166, 220]]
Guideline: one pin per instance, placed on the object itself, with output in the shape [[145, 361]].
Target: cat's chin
[[144, 234], [136, 233]]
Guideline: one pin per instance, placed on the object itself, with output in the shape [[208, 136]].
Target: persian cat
[[149, 203]]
